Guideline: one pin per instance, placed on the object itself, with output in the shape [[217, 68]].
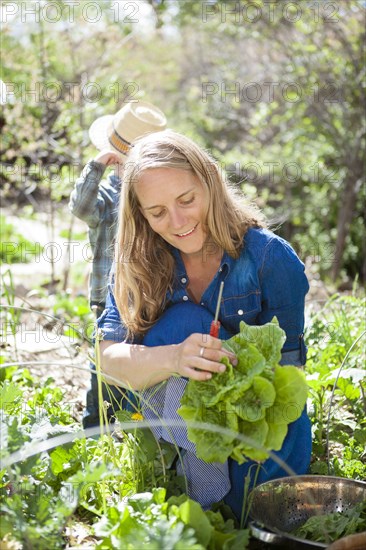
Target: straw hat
[[118, 131]]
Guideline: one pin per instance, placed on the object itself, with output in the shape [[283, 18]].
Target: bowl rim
[[308, 477], [254, 527]]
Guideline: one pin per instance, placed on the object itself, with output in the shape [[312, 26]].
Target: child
[[95, 201]]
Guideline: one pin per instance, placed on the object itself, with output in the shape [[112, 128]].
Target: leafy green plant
[[35, 514], [152, 459], [14, 247], [71, 307], [38, 496], [95, 479], [257, 398], [330, 527], [336, 377], [76, 312], [352, 461], [147, 520]]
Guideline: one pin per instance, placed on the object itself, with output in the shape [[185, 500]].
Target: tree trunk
[[345, 216]]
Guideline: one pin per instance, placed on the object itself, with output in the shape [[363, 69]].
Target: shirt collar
[[227, 262], [180, 270]]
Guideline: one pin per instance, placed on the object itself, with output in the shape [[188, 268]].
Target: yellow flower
[[137, 416]]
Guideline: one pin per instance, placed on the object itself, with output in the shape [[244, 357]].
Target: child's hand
[[108, 158]]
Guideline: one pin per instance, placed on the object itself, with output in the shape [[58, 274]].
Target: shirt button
[[185, 298], [183, 280], [202, 303], [240, 312]]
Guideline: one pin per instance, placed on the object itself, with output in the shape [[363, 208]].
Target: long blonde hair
[[144, 262]]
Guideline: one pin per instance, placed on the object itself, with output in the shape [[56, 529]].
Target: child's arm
[[86, 202]]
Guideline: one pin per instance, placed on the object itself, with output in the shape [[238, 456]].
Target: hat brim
[[98, 132], [119, 131]]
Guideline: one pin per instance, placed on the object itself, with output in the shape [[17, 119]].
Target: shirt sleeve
[[86, 203], [284, 286], [109, 323]]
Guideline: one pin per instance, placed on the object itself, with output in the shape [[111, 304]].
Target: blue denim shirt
[[267, 280]]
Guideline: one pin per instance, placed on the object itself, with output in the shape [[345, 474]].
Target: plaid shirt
[[95, 201]]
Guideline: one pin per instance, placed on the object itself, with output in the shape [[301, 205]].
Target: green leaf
[[250, 361], [159, 495], [192, 514], [256, 400], [268, 339], [276, 436], [256, 432], [291, 393], [210, 446], [10, 394], [60, 458]]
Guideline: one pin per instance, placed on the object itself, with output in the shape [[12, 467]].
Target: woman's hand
[[199, 355]]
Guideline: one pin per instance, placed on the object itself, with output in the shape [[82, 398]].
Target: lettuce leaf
[[210, 446], [268, 339], [291, 394], [255, 400], [258, 398]]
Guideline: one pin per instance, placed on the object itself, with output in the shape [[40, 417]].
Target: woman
[[183, 230]]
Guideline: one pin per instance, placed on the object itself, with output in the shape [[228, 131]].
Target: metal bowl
[[280, 506]]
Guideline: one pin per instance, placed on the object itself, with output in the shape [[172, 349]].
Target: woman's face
[[174, 203]]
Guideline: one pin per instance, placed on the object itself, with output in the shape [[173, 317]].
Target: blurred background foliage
[[276, 91]]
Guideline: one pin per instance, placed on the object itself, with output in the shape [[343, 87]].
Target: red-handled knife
[[215, 325]]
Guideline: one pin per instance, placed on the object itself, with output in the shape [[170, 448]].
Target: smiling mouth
[[181, 235]]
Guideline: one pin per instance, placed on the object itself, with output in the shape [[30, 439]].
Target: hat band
[[119, 143]]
